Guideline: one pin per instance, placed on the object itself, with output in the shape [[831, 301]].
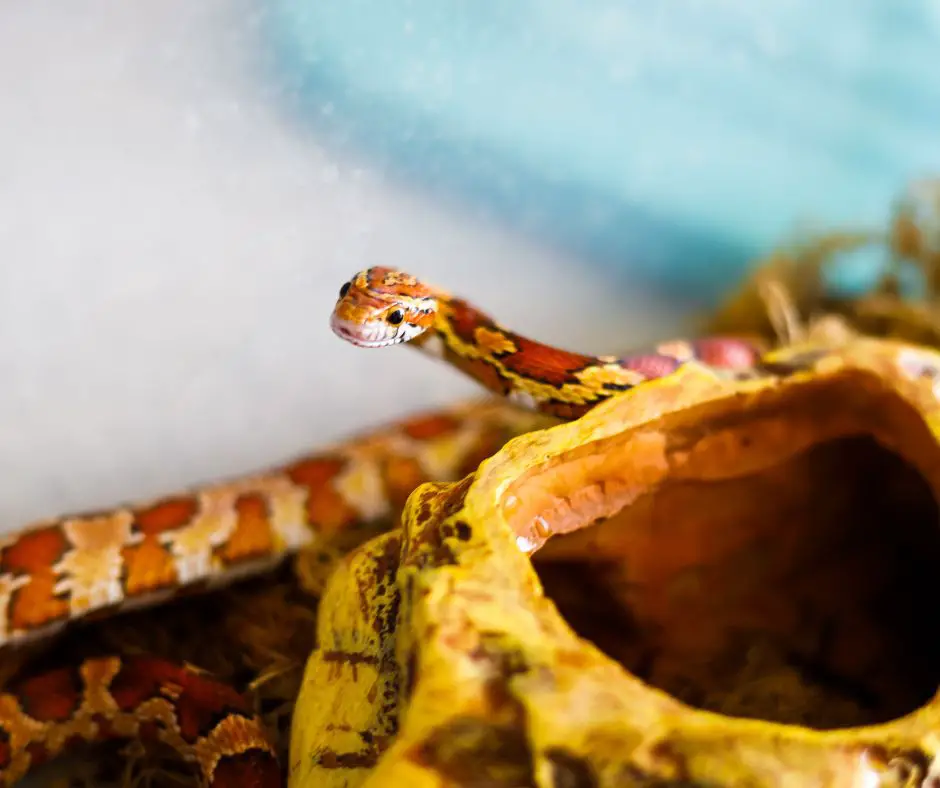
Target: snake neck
[[531, 374], [557, 382], [381, 307]]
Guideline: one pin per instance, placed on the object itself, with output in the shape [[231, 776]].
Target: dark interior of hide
[[801, 592]]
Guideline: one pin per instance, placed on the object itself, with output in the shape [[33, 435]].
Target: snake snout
[[370, 334]]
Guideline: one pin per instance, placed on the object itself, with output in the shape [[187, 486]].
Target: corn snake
[[84, 567], [381, 307]]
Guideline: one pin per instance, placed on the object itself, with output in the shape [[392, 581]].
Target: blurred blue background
[[670, 141]]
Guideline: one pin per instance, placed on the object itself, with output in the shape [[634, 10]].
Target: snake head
[[380, 307]]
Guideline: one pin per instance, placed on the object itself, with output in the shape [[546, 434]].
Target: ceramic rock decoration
[[706, 582]]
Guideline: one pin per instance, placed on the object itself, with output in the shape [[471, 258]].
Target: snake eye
[[344, 289], [395, 317]]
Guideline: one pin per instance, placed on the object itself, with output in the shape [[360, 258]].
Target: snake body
[[380, 307], [136, 697], [60, 572]]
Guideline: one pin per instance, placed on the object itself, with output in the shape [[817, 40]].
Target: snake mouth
[[359, 335]]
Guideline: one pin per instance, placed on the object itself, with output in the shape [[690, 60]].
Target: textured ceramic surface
[[704, 582]]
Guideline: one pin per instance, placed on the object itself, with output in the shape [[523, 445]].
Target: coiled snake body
[[57, 573]]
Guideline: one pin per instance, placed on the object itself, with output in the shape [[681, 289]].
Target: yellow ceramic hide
[[704, 582]]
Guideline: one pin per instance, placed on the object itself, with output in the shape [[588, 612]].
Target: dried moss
[[785, 298]]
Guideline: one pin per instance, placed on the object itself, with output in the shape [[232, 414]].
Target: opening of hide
[[776, 560]]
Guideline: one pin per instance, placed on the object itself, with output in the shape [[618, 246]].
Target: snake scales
[[59, 572]]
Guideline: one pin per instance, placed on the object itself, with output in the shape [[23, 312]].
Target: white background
[[171, 244]]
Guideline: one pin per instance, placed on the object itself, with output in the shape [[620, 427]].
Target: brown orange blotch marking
[[167, 515], [51, 697], [202, 702], [252, 535], [464, 320], [545, 364], [36, 604], [136, 681], [34, 551], [424, 428], [327, 510], [34, 554], [149, 567]]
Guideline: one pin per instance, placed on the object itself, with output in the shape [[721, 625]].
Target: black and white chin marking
[[376, 333]]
